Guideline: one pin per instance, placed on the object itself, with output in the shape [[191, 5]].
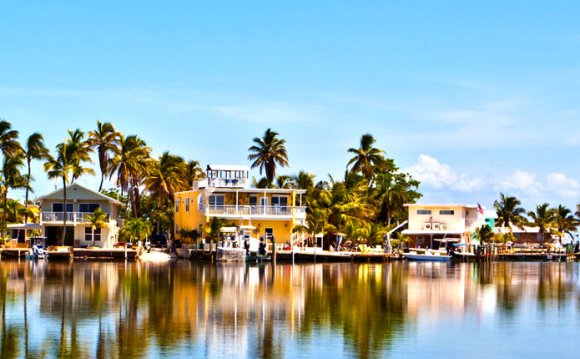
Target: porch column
[[237, 197]]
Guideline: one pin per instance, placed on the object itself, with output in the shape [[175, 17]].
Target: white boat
[[428, 256], [154, 257]]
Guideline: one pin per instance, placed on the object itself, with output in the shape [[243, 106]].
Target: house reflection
[[122, 310]]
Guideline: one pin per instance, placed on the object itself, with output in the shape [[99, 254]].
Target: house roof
[[97, 194], [227, 168], [430, 205]]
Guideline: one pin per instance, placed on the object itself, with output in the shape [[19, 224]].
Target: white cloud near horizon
[[553, 188], [438, 175]]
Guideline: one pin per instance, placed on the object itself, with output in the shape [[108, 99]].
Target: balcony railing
[[71, 217], [268, 211]]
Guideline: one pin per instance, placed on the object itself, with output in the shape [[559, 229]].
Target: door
[[264, 204], [54, 233], [269, 234]]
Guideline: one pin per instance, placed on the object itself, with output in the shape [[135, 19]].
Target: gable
[[79, 193]]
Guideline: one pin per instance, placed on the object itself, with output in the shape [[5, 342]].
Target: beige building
[[431, 224], [81, 203]]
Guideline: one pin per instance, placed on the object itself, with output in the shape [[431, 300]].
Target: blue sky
[[474, 98]]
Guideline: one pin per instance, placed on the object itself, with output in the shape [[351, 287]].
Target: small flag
[[480, 208]]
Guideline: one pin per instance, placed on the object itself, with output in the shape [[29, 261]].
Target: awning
[[430, 232], [228, 229], [26, 226]]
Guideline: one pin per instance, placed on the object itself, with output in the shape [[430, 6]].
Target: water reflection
[[128, 310]]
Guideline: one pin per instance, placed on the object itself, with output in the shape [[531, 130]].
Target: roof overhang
[[424, 232], [428, 205], [25, 226]]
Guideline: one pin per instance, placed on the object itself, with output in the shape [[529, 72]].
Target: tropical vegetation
[[363, 205]]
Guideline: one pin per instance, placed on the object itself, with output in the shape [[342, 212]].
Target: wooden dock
[[104, 253], [9, 253], [333, 257]]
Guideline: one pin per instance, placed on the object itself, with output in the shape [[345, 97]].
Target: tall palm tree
[[367, 159], [167, 176], [104, 138], [509, 211], [80, 151], [34, 150], [8, 139], [12, 178], [130, 164], [392, 191], [267, 153], [65, 166], [564, 222], [543, 218]]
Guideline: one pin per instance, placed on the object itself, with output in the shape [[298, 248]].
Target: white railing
[[270, 211], [228, 183], [71, 217]]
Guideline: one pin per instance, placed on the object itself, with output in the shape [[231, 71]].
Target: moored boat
[[427, 256]]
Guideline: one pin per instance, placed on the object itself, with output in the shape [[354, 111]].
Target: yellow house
[[225, 193]]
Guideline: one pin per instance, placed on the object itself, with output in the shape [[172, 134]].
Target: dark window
[[447, 212], [424, 211], [88, 207], [58, 207], [253, 200]]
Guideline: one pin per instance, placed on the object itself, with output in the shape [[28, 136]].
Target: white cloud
[[438, 175], [520, 181], [562, 185]]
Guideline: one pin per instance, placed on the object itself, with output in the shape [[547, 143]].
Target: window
[[91, 235], [216, 201], [177, 205], [279, 201], [447, 212], [424, 212], [187, 205], [88, 207], [253, 200], [200, 202], [59, 207]]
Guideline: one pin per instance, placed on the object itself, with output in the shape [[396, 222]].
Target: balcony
[[71, 217], [275, 212]]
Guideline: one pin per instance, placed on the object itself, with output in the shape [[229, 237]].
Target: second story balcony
[[71, 217], [273, 212]]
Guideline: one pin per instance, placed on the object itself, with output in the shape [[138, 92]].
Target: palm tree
[[543, 218], [130, 165], [509, 211], [303, 180], [564, 222], [104, 139], [283, 181], [12, 179], [136, 229], [79, 151], [392, 191], [267, 153], [98, 220], [167, 176], [485, 234], [194, 172], [8, 139], [65, 166], [34, 150], [367, 159]]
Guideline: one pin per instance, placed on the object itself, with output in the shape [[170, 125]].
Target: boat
[[464, 256], [59, 253], [427, 256], [155, 257], [37, 251]]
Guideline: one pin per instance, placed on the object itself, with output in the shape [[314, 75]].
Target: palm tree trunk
[[64, 212], [26, 196], [4, 205], [102, 180]]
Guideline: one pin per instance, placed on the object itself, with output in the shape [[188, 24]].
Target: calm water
[[128, 310]]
